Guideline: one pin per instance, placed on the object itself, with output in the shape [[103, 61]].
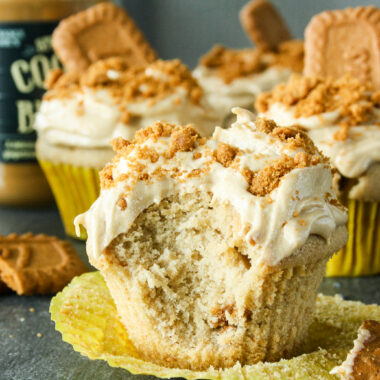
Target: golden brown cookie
[[101, 31], [37, 264], [344, 41], [264, 24]]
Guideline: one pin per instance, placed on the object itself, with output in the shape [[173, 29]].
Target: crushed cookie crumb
[[225, 154], [232, 64], [311, 96], [132, 84], [183, 139], [122, 203]]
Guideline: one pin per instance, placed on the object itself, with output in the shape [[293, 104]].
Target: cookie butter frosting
[[275, 178], [341, 116], [235, 77], [110, 99]]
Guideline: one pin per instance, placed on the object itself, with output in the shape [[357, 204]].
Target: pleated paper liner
[[86, 316], [361, 255], [75, 188]]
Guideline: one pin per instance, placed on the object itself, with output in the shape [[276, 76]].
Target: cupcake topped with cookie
[[113, 86], [341, 114], [232, 77], [195, 236]]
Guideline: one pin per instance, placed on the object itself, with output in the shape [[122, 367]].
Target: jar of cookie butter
[[26, 55]]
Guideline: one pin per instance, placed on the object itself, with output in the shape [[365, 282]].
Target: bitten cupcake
[[213, 249], [342, 117], [85, 108]]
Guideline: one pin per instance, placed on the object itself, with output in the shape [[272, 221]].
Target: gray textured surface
[[186, 29], [25, 356]]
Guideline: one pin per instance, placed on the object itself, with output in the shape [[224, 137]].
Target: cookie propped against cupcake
[[213, 249]]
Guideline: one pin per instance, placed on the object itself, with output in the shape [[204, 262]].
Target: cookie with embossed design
[[344, 41], [37, 264], [99, 32]]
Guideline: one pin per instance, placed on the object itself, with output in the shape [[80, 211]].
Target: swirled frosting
[[111, 100], [276, 180], [341, 116]]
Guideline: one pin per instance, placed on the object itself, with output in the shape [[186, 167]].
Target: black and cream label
[[26, 56]]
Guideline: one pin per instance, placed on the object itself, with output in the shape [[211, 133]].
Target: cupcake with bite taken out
[[213, 249]]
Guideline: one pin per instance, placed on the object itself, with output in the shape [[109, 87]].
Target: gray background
[[186, 29]]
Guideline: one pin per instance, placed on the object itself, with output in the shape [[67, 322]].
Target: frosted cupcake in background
[[233, 77], [94, 102], [342, 116], [236, 233]]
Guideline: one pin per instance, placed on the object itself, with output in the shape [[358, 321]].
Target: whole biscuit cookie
[[102, 31], [37, 264], [264, 24], [344, 41]]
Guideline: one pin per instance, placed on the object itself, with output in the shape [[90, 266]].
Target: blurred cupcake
[[213, 249], [342, 117], [233, 78], [81, 114]]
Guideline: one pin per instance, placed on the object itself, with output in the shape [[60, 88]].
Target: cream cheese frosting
[[347, 130], [277, 182], [90, 114], [241, 92], [352, 156]]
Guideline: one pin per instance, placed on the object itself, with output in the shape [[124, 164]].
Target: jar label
[[26, 56]]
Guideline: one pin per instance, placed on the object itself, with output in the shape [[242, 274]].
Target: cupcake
[[342, 117], [213, 249], [233, 78], [81, 114]]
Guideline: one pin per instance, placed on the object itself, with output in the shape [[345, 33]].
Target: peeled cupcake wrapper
[[86, 316], [75, 188], [361, 255]]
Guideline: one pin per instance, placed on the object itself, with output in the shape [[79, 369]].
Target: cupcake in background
[[342, 116], [232, 77], [94, 102], [236, 233]]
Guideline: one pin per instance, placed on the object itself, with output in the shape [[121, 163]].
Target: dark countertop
[[31, 349]]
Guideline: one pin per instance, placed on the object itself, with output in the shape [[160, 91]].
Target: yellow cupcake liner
[[361, 255], [75, 188], [85, 314]]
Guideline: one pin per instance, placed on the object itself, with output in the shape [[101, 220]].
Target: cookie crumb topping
[[126, 84], [231, 64], [309, 96], [164, 141]]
